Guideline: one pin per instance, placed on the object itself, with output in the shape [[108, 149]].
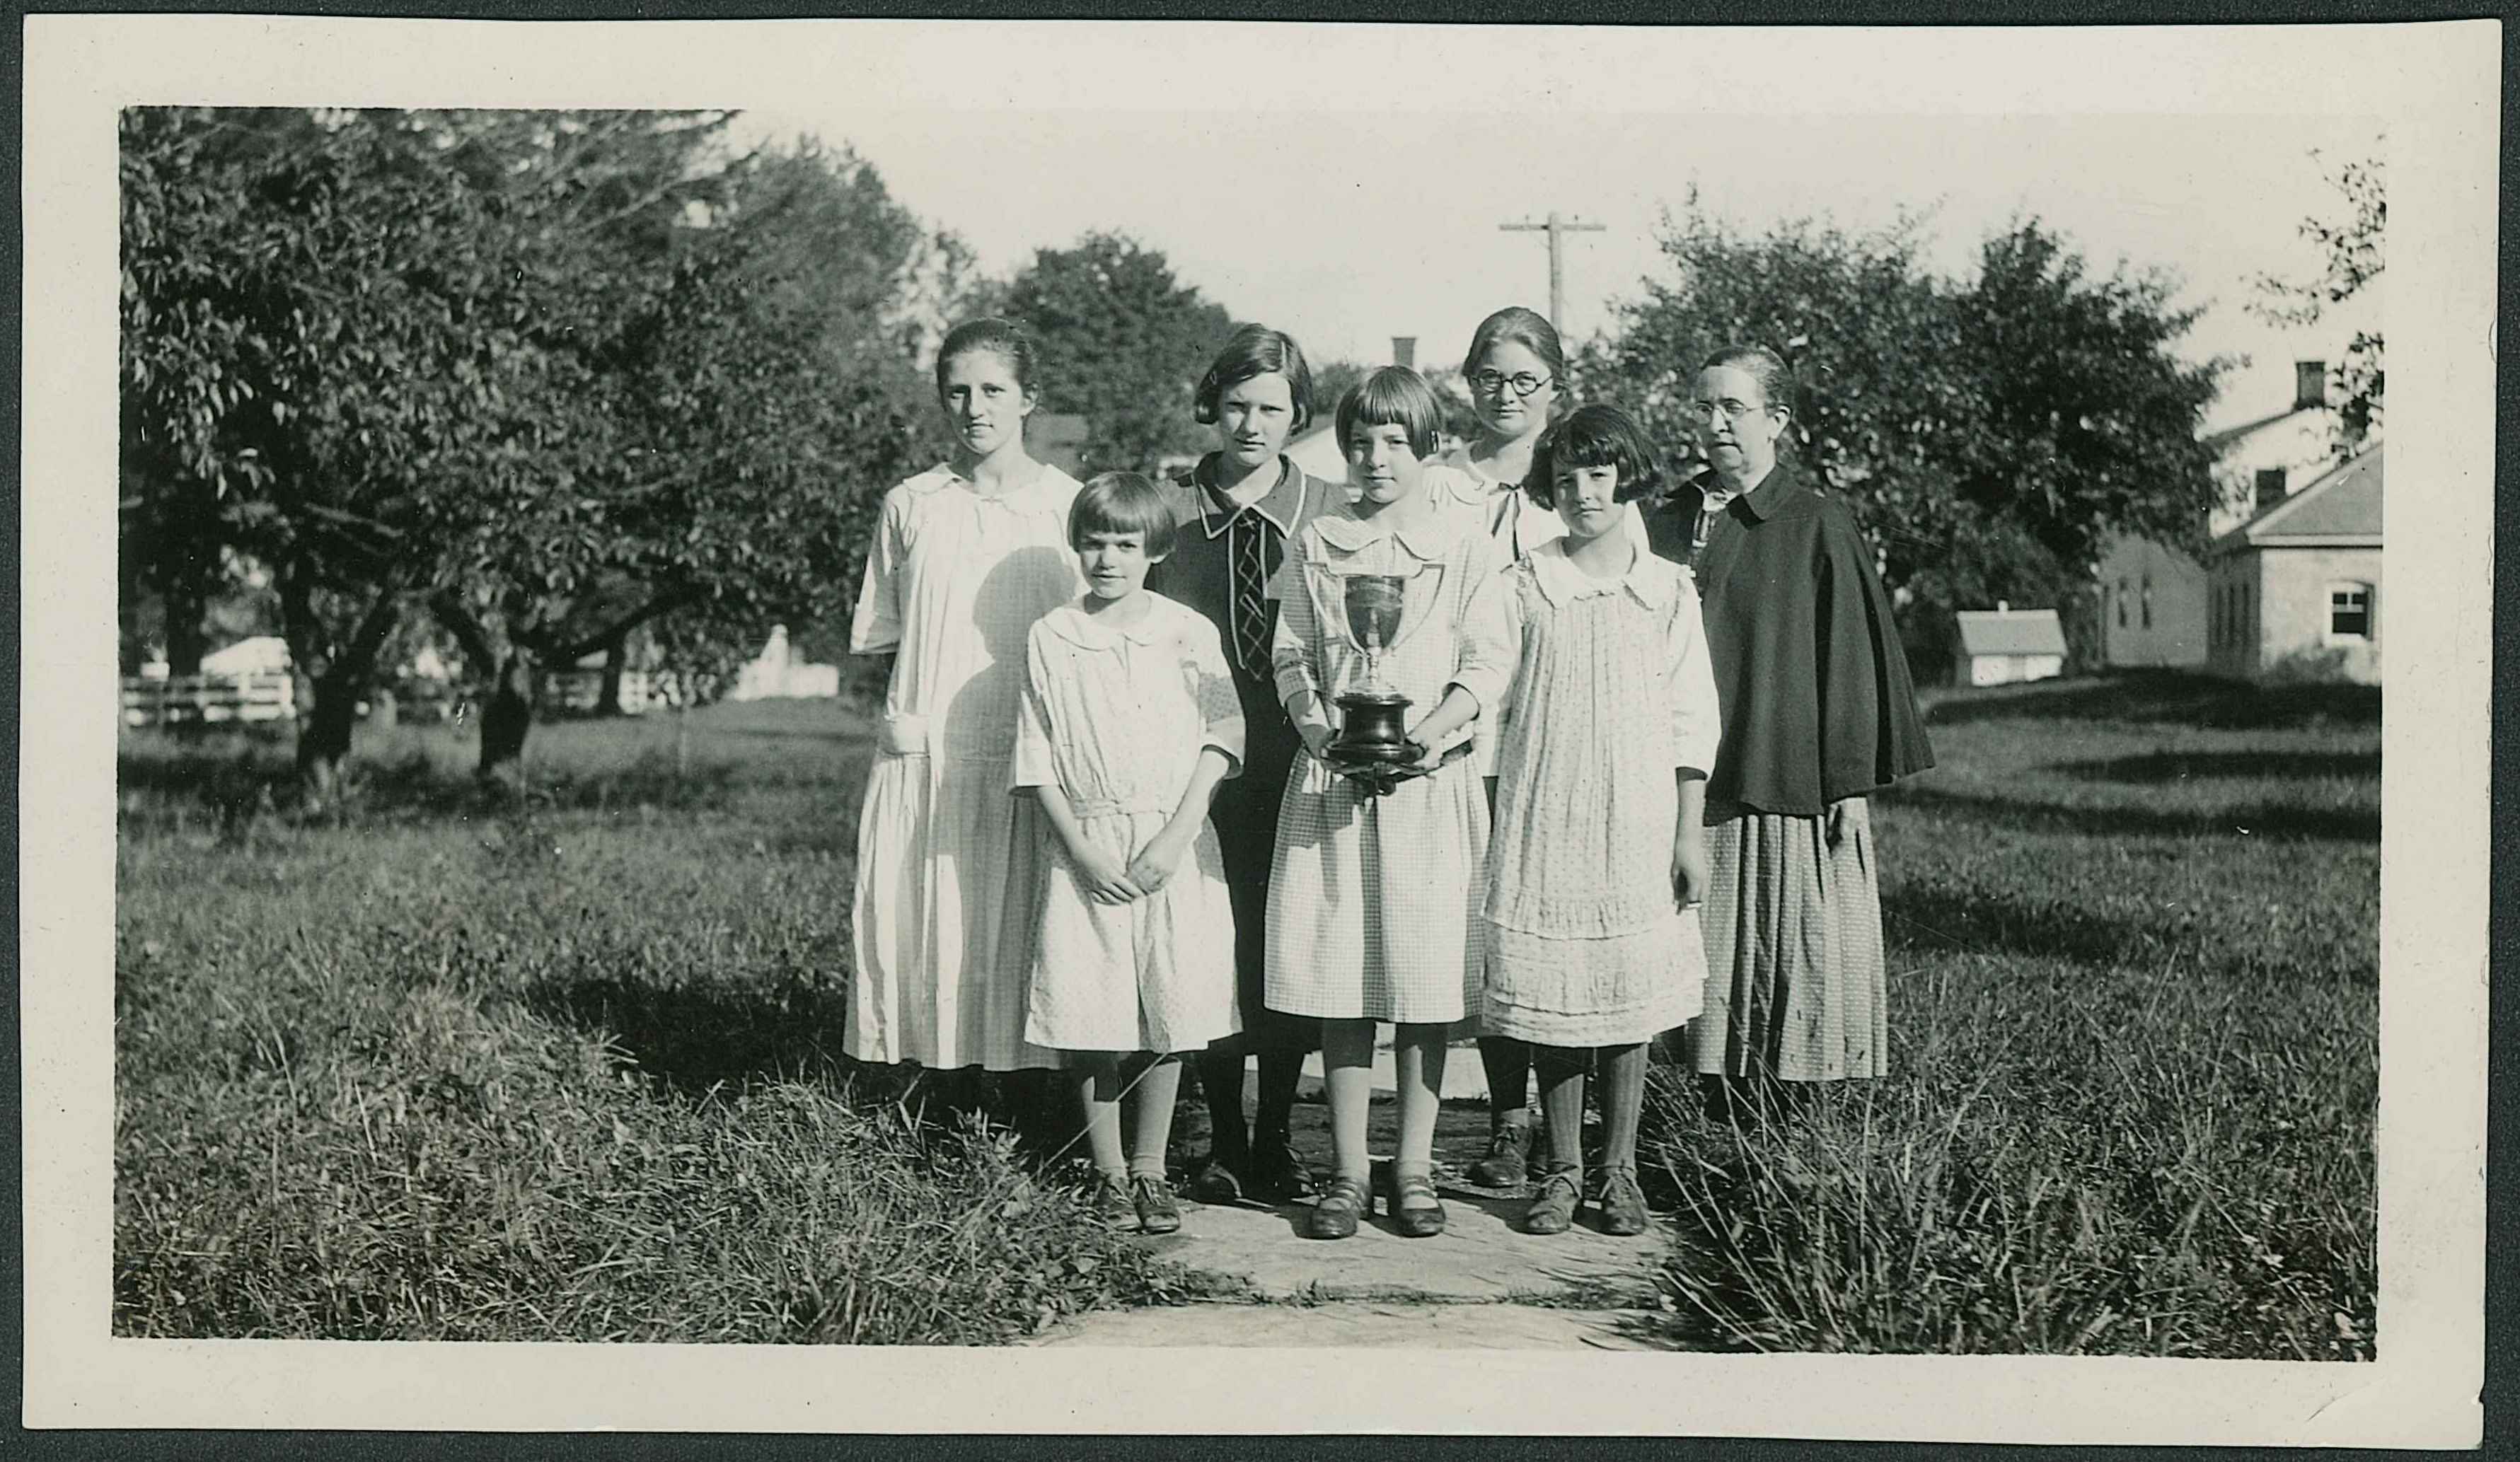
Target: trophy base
[[1372, 731]]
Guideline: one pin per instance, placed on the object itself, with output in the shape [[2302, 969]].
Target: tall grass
[[2133, 969], [562, 1072]]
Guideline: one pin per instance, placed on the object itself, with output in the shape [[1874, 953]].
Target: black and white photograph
[[979, 726]]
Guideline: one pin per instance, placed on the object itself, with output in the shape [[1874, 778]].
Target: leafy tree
[[761, 405], [1332, 380], [1987, 432], [2355, 256], [1122, 343]]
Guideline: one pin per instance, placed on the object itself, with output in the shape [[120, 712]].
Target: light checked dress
[[1604, 689], [950, 866], [1374, 901], [1116, 718]]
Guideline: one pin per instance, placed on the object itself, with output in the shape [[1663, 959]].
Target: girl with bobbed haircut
[[1123, 503], [1240, 514], [1256, 350], [1393, 396], [1595, 436]]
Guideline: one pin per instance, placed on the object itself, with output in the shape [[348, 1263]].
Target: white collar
[[1650, 580], [1071, 622]]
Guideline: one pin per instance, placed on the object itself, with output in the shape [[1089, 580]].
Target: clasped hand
[[1107, 880]]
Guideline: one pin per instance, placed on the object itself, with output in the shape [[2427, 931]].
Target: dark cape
[[1811, 677]]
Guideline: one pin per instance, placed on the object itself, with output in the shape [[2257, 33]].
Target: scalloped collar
[[1429, 540], [1651, 580]]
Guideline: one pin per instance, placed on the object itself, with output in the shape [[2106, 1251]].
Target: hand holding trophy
[[1373, 748]]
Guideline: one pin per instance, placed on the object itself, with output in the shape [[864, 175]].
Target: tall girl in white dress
[[966, 557]]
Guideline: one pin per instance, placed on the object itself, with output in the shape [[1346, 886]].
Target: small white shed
[[2002, 645]]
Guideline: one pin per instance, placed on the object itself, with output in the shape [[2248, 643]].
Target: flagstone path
[[1481, 1284]]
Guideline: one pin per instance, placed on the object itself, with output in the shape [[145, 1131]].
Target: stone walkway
[[1481, 1284]]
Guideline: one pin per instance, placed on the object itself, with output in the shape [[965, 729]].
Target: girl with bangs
[[1588, 658], [1372, 898], [1130, 724]]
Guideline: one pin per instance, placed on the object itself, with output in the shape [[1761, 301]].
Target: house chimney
[[2309, 385], [1404, 352]]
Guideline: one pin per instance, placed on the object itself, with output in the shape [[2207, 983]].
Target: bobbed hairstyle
[[1002, 337], [1526, 327], [1393, 396], [1122, 502], [1256, 350], [1594, 437], [1775, 378]]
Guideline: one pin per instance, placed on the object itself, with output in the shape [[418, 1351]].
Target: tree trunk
[[507, 716], [324, 732], [188, 608], [608, 700]]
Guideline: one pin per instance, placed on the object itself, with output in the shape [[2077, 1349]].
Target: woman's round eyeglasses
[[1729, 410], [1522, 383]]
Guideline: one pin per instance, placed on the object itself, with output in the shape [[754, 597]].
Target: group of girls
[[1103, 832]]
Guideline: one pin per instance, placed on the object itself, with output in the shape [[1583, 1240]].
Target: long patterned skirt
[[1796, 985]]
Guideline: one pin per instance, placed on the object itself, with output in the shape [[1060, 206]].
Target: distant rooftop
[[2344, 504], [2010, 632]]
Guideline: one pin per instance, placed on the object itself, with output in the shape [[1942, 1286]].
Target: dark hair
[[1256, 350], [1528, 328], [1122, 502], [1775, 378], [1594, 437], [991, 333], [1393, 396]]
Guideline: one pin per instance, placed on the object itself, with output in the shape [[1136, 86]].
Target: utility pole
[[1557, 229]]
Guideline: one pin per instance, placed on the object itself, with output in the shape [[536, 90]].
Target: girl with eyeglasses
[[1818, 712]]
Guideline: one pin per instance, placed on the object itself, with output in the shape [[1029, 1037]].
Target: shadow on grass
[[1934, 918], [698, 1036], [2256, 818], [2161, 767], [2167, 698]]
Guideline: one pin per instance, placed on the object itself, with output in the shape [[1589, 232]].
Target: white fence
[[174, 700]]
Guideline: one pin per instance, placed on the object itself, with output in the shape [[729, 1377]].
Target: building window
[[2122, 599], [2271, 487], [2349, 611], [2147, 601]]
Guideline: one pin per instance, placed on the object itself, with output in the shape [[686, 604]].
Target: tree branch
[[461, 621], [587, 644]]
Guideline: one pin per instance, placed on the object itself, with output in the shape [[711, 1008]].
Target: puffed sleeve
[[1291, 654], [1698, 722], [1491, 643], [875, 628], [1220, 708], [1036, 762]]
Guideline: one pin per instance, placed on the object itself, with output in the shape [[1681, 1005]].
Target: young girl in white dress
[[1372, 900], [965, 557], [1130, 722], [1590, 655]]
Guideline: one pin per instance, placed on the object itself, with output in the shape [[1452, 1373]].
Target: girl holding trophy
[[1382, 837]]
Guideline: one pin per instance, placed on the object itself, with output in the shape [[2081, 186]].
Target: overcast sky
[[1349, 228]]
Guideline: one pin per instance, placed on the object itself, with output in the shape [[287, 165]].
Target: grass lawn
[[430, 1071]]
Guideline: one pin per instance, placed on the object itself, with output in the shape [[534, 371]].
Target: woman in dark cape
[[1819, 711]]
